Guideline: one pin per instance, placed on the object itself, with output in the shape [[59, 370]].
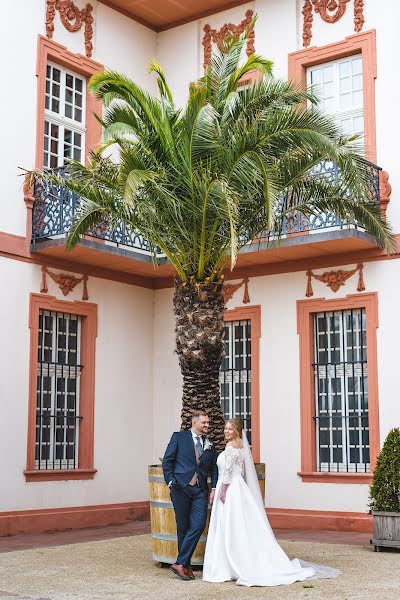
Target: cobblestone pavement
[[122, 569]]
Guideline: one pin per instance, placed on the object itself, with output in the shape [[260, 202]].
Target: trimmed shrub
[[385, 487]]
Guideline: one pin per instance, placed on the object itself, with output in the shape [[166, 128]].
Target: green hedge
[[385, 487]]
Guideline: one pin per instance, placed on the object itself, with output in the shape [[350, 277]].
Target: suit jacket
[[179, 462]]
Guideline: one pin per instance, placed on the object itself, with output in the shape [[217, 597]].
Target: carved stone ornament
[[335, 279], [230, 288], [385, 190], [227, 30], [330, 11], [27, 189], [72, 18], [65, 282]]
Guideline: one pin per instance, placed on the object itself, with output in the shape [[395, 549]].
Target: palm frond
[[236, 161]]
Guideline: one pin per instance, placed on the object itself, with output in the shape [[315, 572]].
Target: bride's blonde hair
[[237, 426]]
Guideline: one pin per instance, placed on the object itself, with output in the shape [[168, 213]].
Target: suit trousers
[[190, 505]]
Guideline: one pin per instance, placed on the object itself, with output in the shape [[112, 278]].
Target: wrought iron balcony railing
[[296, 222], [55, 210]]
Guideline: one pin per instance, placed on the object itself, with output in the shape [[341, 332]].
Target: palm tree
[[203, 181]]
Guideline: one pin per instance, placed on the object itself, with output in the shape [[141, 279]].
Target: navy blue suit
[[190, 502]]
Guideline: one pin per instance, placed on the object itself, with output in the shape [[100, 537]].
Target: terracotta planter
[[162, 518], [386, 530]]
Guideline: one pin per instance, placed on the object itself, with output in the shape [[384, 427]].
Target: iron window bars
[[57, 394], [235, 373], [341, 391]]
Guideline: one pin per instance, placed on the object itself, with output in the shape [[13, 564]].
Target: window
[[341, 391], [359, 46], [339, 406], [61, 389], [235, 373], [64, 123], [57, 393], [339, 85]]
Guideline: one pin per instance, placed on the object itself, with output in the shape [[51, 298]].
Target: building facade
[[90, 387]]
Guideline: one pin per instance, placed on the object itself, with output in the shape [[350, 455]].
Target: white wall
[[118, 42], [167, 379], [123, 44], [123, 393], [279, 381], [179, 54], [387, 87], [278, 32], [275, 32]]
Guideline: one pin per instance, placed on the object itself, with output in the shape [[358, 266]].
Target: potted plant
[[385, 494]]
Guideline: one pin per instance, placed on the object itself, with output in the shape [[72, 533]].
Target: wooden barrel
[[162, 518]]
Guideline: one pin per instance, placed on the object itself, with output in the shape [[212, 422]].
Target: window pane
[[356, 66], [327, 74], [344, 69]]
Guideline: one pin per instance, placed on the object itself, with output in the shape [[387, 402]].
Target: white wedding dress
[[241, 544]]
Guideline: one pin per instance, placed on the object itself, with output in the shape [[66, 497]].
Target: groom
[[189, 458]]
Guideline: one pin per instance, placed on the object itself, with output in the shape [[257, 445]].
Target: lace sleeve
[[228, 467]]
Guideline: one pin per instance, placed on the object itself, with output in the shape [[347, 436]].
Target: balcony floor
[[295, 252]]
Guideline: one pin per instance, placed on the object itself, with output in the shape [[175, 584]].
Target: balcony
[[127, 251]]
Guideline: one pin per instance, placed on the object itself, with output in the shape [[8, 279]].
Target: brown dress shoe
[[180, 571], [189, 572]]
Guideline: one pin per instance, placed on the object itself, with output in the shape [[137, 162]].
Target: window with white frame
[[64, 123], [57, 394], [235, 373], [339, 86], [341, 391]]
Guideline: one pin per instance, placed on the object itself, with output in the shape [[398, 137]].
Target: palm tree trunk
[[199, 312]]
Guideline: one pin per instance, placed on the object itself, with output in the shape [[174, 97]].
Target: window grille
[[341, 391], [57, 395], [64, 125], [235, 373]]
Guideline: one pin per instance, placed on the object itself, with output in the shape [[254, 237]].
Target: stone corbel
[[336, 279], [65, 282], [29, 200], [72, 18], [229, 289], [385, 190]]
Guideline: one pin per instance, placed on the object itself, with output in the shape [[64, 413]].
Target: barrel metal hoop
[[172, 538], [154, 504]]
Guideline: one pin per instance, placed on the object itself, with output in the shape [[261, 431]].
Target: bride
[[241, 544]]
